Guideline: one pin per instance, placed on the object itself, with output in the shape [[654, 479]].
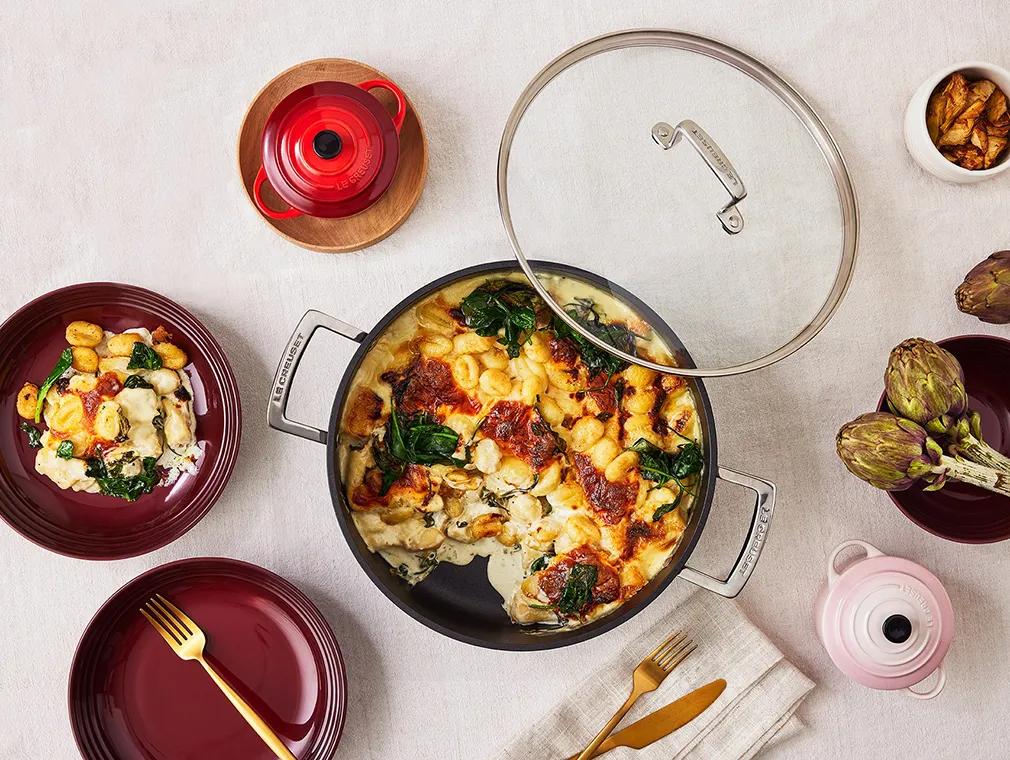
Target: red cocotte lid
[[330, 149]]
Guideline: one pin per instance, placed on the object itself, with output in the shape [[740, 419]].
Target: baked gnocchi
[[491, 431], [116, 413]]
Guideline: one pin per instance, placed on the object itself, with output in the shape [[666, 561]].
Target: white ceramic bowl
[[917, 137]]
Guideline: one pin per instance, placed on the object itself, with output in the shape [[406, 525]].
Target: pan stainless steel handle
[[764, 506], [277, 407], [667, 136]]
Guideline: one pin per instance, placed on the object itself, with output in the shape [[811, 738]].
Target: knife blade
[[665, 720]]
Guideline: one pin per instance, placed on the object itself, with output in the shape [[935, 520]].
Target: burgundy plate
[[961, 512], [93, 526], [131, 697]]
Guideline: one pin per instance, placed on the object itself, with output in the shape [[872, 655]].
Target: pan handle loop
[[277, 407], [764, 506]]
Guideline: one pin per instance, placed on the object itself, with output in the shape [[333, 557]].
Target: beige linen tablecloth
[[119, 123]]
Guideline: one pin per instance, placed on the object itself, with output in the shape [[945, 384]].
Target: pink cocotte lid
[[885, 621]]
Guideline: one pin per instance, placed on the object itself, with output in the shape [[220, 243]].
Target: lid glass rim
[[777, 86]]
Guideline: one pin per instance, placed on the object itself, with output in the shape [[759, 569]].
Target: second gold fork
[[187, 640]]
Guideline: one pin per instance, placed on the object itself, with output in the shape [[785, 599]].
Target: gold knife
[[665, 720]]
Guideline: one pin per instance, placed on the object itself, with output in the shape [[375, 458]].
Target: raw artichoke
[[985, 292], [925, 384], [892, 453]]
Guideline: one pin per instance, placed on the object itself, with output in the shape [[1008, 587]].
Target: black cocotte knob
[[897, 629], [327, 144]]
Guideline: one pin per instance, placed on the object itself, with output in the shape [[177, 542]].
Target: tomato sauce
[[427, 385], [520, 430], [414, 480], [611, 501], [552, 579]]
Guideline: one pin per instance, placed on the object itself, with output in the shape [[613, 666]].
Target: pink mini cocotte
[[886, 622]]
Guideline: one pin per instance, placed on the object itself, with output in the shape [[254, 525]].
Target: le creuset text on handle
[[667, 136], [764, 507], [277, 408]]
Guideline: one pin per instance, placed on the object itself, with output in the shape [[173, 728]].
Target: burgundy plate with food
[[96, 525], [130, 696], [960, 512]]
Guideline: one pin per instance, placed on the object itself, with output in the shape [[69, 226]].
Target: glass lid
[[690, 175]]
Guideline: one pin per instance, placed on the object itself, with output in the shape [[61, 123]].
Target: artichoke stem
[[979, 451], [975, 474]]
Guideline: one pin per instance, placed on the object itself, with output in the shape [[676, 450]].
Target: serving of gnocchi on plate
[[478, 424], [115, 415]]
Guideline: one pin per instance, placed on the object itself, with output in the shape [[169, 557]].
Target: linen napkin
[[758, 707]]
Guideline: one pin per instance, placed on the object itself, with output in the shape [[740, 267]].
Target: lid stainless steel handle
[[667, 136]]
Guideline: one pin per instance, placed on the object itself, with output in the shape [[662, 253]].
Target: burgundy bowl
[[131, 696], [94, 526], [960, 512]]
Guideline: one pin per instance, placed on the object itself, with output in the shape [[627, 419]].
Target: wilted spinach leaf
[[144, 357], [136, 381], [65, 450], [34, 435], [65, 360], [578, 589], [500, 305], [112, 482], [415, 439]]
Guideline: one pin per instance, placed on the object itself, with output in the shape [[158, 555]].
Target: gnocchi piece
[[176, 424], [435, 317], [515, 472], [566, 495], [483, 526], [394, 515], [640, 426], [487, 456], [543, 533], [172, 357], [495, 359], [495, 383], [641, 401], [524, 367], [550, 478], [579, 530], [108, 421], [164, 381], [471, 343], [565, 380], [538, 348], [524, 508], [466, 371], [67, 414], [87, 334], [85, 359], [122, 344], [28, 399], [603, 452], [461, 480], [509, 536], [639, 377], [585, 433], [117, 365], [435, 345], [462, 424], [550, 411], [435, 504], [621, 466], [531, 388], [83, 383]]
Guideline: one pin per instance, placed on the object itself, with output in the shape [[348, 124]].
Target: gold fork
[[187, 640], [647, 677]]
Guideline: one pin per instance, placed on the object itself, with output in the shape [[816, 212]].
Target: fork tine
[[671, 643], [186, 620], [676, 651], [167, 620], [672, 662], [165, 633]]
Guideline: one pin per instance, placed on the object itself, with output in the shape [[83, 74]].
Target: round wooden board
[[378, 220]]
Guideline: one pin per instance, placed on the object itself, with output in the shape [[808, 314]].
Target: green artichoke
[[985, 292], [925, 384], [892, 453]]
